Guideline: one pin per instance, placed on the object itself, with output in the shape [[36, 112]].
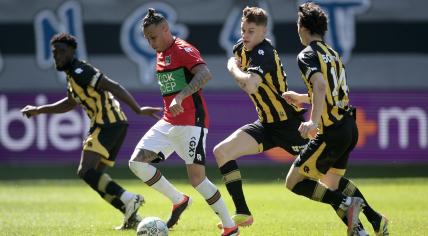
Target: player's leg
[[191, 148], [156, 146], [238, 144], [100, 150], [331, 179], [317, 191], [347, 187], [105, 186], [211, 194]]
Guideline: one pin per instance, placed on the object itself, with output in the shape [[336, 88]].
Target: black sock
[[114, 201], [232, 179], [102, 182], [348, 188], [314, 190]]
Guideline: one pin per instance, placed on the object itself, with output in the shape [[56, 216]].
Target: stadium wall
[[380, 40]]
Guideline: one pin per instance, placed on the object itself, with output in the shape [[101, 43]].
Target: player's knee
[[289, 183], [220, 153], [137, 166]]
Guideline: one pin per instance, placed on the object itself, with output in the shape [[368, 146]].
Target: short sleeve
[[190, 57], [308, 64], [86, 75], [237, 47], [262, 61]]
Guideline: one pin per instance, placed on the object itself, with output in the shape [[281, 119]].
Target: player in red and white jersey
[[181, 74]]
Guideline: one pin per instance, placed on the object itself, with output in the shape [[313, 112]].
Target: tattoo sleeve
[[199, 80]]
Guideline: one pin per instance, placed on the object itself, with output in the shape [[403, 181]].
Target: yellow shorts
[[106, 140]]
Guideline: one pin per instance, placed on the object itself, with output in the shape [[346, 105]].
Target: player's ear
[[165, 26]]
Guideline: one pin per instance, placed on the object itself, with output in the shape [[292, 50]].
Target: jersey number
[[339, 84]]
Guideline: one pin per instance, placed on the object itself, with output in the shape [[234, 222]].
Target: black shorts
[[282, 134], [106, 140], [329, 151]]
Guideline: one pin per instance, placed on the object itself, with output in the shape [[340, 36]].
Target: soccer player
[[181, 74], [89, 87], [257, 69], [325, 158]]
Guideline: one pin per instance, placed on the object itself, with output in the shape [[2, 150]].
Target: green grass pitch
[[69, 207]]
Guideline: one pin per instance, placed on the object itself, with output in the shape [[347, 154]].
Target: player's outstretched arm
[[249, 82], [201, 76], [64, 105], [295, 98], [120, 92]]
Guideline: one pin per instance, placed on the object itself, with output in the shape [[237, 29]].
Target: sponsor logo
[[306, 169], [261, 52], [62, 132], [78, 70], [192, 147], [168, 60]]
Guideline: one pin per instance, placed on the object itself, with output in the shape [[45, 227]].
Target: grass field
[[69, 207]]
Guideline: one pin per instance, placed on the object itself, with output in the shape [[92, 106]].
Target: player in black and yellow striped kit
[[90, 88], [318, 172], [257, 69]]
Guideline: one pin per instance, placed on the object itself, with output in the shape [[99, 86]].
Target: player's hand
[[308, 129], [291, 97], [150, 111], [232, 63], [30, 111], [175, 107]]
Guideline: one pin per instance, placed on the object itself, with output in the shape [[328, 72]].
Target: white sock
[[345, 203], [209, 190], [147, 172], [126, 197]]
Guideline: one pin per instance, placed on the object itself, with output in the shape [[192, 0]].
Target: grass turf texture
[[69, 207]]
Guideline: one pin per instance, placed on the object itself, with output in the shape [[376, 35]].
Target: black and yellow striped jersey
[[264, 61], [320, 57], [100, 106]]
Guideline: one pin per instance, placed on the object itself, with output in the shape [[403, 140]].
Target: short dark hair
[[64, 38], [313, 18], [255, 15], [152, 17]]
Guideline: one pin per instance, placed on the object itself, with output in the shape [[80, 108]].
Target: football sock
[[115, 202], [213, 197], [102, 182], [233, 181], [348, 188], [342, 215], [126, 196], [318, 192], [154, 178]]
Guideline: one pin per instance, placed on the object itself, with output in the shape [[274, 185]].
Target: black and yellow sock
[[314, 190], [114, 201], [342, 215], [232, 179], [103, 183], [348, 188]]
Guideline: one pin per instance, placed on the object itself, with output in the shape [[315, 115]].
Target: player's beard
[[65, 67]]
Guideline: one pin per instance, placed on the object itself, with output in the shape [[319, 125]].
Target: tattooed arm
[[249, 82], [200, 78]]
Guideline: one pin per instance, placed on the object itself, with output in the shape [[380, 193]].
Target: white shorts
[[164, 138]]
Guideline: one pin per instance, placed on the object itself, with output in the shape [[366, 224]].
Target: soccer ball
[[152, 226]]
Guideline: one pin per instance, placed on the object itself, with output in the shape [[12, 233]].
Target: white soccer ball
[[152, 226]]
